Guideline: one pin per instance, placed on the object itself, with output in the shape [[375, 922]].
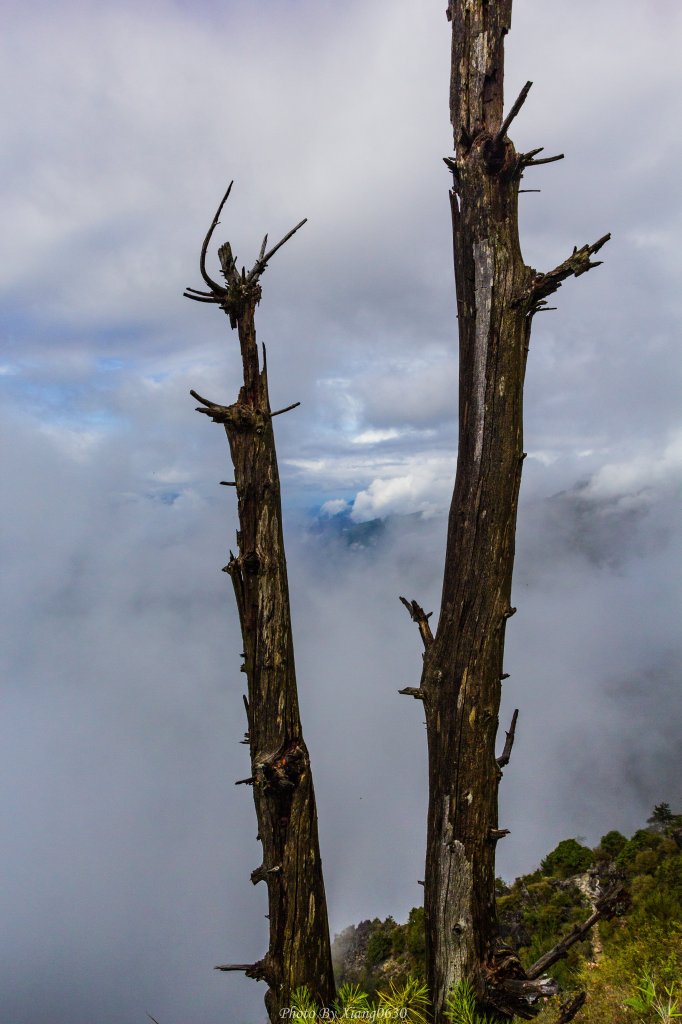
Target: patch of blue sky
[[103, 421], [116, 344], [26, 333], [18, 328], [310, 501], [60, 403], [112, 364], [39, 364], [166, 497], [24, 317]]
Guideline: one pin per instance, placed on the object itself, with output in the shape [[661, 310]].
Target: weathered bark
[[299, 949], [497, 297], [570, 1008]]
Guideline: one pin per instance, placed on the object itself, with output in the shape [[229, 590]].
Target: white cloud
[[422, 485], [641, 478], [334, 507], [419, 389], [77, 444], [376, 436]]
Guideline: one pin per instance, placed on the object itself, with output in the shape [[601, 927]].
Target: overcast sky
[[126, 849]]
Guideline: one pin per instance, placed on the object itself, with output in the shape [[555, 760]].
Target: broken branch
[[202, 259], [544, 160], [262, 261], [218, 413], [503, 760], [262, 872], [570, 1008], [257, 970], [577, 263], [228, 263], [204, 401], [520, 100], [418, 615], [494, 834], [200, 298], [530, 987], [605, 907], [413, 691], [287, 408]]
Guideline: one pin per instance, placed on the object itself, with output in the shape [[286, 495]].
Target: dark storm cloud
[[129, 849]]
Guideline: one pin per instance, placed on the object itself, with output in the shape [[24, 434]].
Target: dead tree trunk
[[299, 950], [497, 298]]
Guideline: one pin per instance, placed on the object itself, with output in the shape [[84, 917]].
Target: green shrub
[[415, 935], [407, 1002], [378, 947], [663, 820], [461, 1007], [351, 999], [654, 1002], [569, 858], [610, 846], [398, 940], [643, 839]]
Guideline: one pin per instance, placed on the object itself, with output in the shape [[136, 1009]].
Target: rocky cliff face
[[374, 953], [349, 952]]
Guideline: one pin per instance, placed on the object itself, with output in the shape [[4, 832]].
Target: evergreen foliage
[[351, 1000], [663, 820], [461, 1007], [610, 846], [631, 966], [569, 858], [407, 1002], [379, 946], [536, 913]]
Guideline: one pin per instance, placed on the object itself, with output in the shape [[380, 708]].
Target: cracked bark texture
[[497, 297], [299, 948]]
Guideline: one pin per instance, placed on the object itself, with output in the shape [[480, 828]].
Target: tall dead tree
[[299, 949], [498, 296]]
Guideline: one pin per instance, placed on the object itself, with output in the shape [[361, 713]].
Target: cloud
[[334, 507], [642, 478], [422, 485], [130, 851], [376, 436]]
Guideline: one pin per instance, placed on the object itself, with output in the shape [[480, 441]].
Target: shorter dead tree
[[299, 948]]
